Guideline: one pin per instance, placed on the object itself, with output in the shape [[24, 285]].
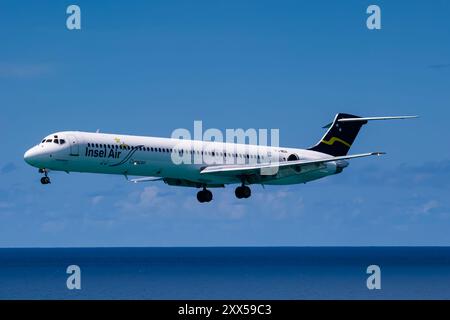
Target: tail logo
[[335, 139]]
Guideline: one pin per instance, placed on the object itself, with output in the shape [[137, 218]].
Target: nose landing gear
[[45, 179]]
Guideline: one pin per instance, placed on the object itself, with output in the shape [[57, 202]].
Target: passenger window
[[96, 145]]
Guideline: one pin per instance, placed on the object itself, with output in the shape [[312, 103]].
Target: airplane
[[151, 158]]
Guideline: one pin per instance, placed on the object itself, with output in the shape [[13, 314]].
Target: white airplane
[[153, 158]]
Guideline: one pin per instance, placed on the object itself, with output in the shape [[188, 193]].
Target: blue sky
[[149, 67]]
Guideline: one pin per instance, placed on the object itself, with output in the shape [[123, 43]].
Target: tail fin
[[340, 136], [342, 133]]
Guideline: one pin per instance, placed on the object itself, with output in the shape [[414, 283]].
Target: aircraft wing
[[266, 168], [146, 179]]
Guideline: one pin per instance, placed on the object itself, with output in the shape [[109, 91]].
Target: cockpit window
[[43, 141], [56, 141], [49, 140]]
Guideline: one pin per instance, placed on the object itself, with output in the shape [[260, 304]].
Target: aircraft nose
[[30, 156]]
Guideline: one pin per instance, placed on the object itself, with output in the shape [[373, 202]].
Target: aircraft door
[[74, 147]]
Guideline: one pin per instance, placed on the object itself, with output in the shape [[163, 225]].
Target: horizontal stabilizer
[[375, 118]]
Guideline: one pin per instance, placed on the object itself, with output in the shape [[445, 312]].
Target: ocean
[[226, 273]]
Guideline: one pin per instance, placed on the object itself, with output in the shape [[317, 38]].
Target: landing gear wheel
[[239, 193], [208, 195], [45, 180], [204, 196], [200, 197], [247, 192], [243, 192]]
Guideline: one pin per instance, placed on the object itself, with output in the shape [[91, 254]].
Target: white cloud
[[231, 207], [5, 205], [147, 201], [53, 226], [430, 205], [96, 200], [148, 196], [21, 71]]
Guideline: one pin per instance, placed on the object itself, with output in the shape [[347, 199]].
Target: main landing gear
[[204, 195], [45, 179], [243, 192]]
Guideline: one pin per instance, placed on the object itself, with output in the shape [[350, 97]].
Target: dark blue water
[[226, 273]]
